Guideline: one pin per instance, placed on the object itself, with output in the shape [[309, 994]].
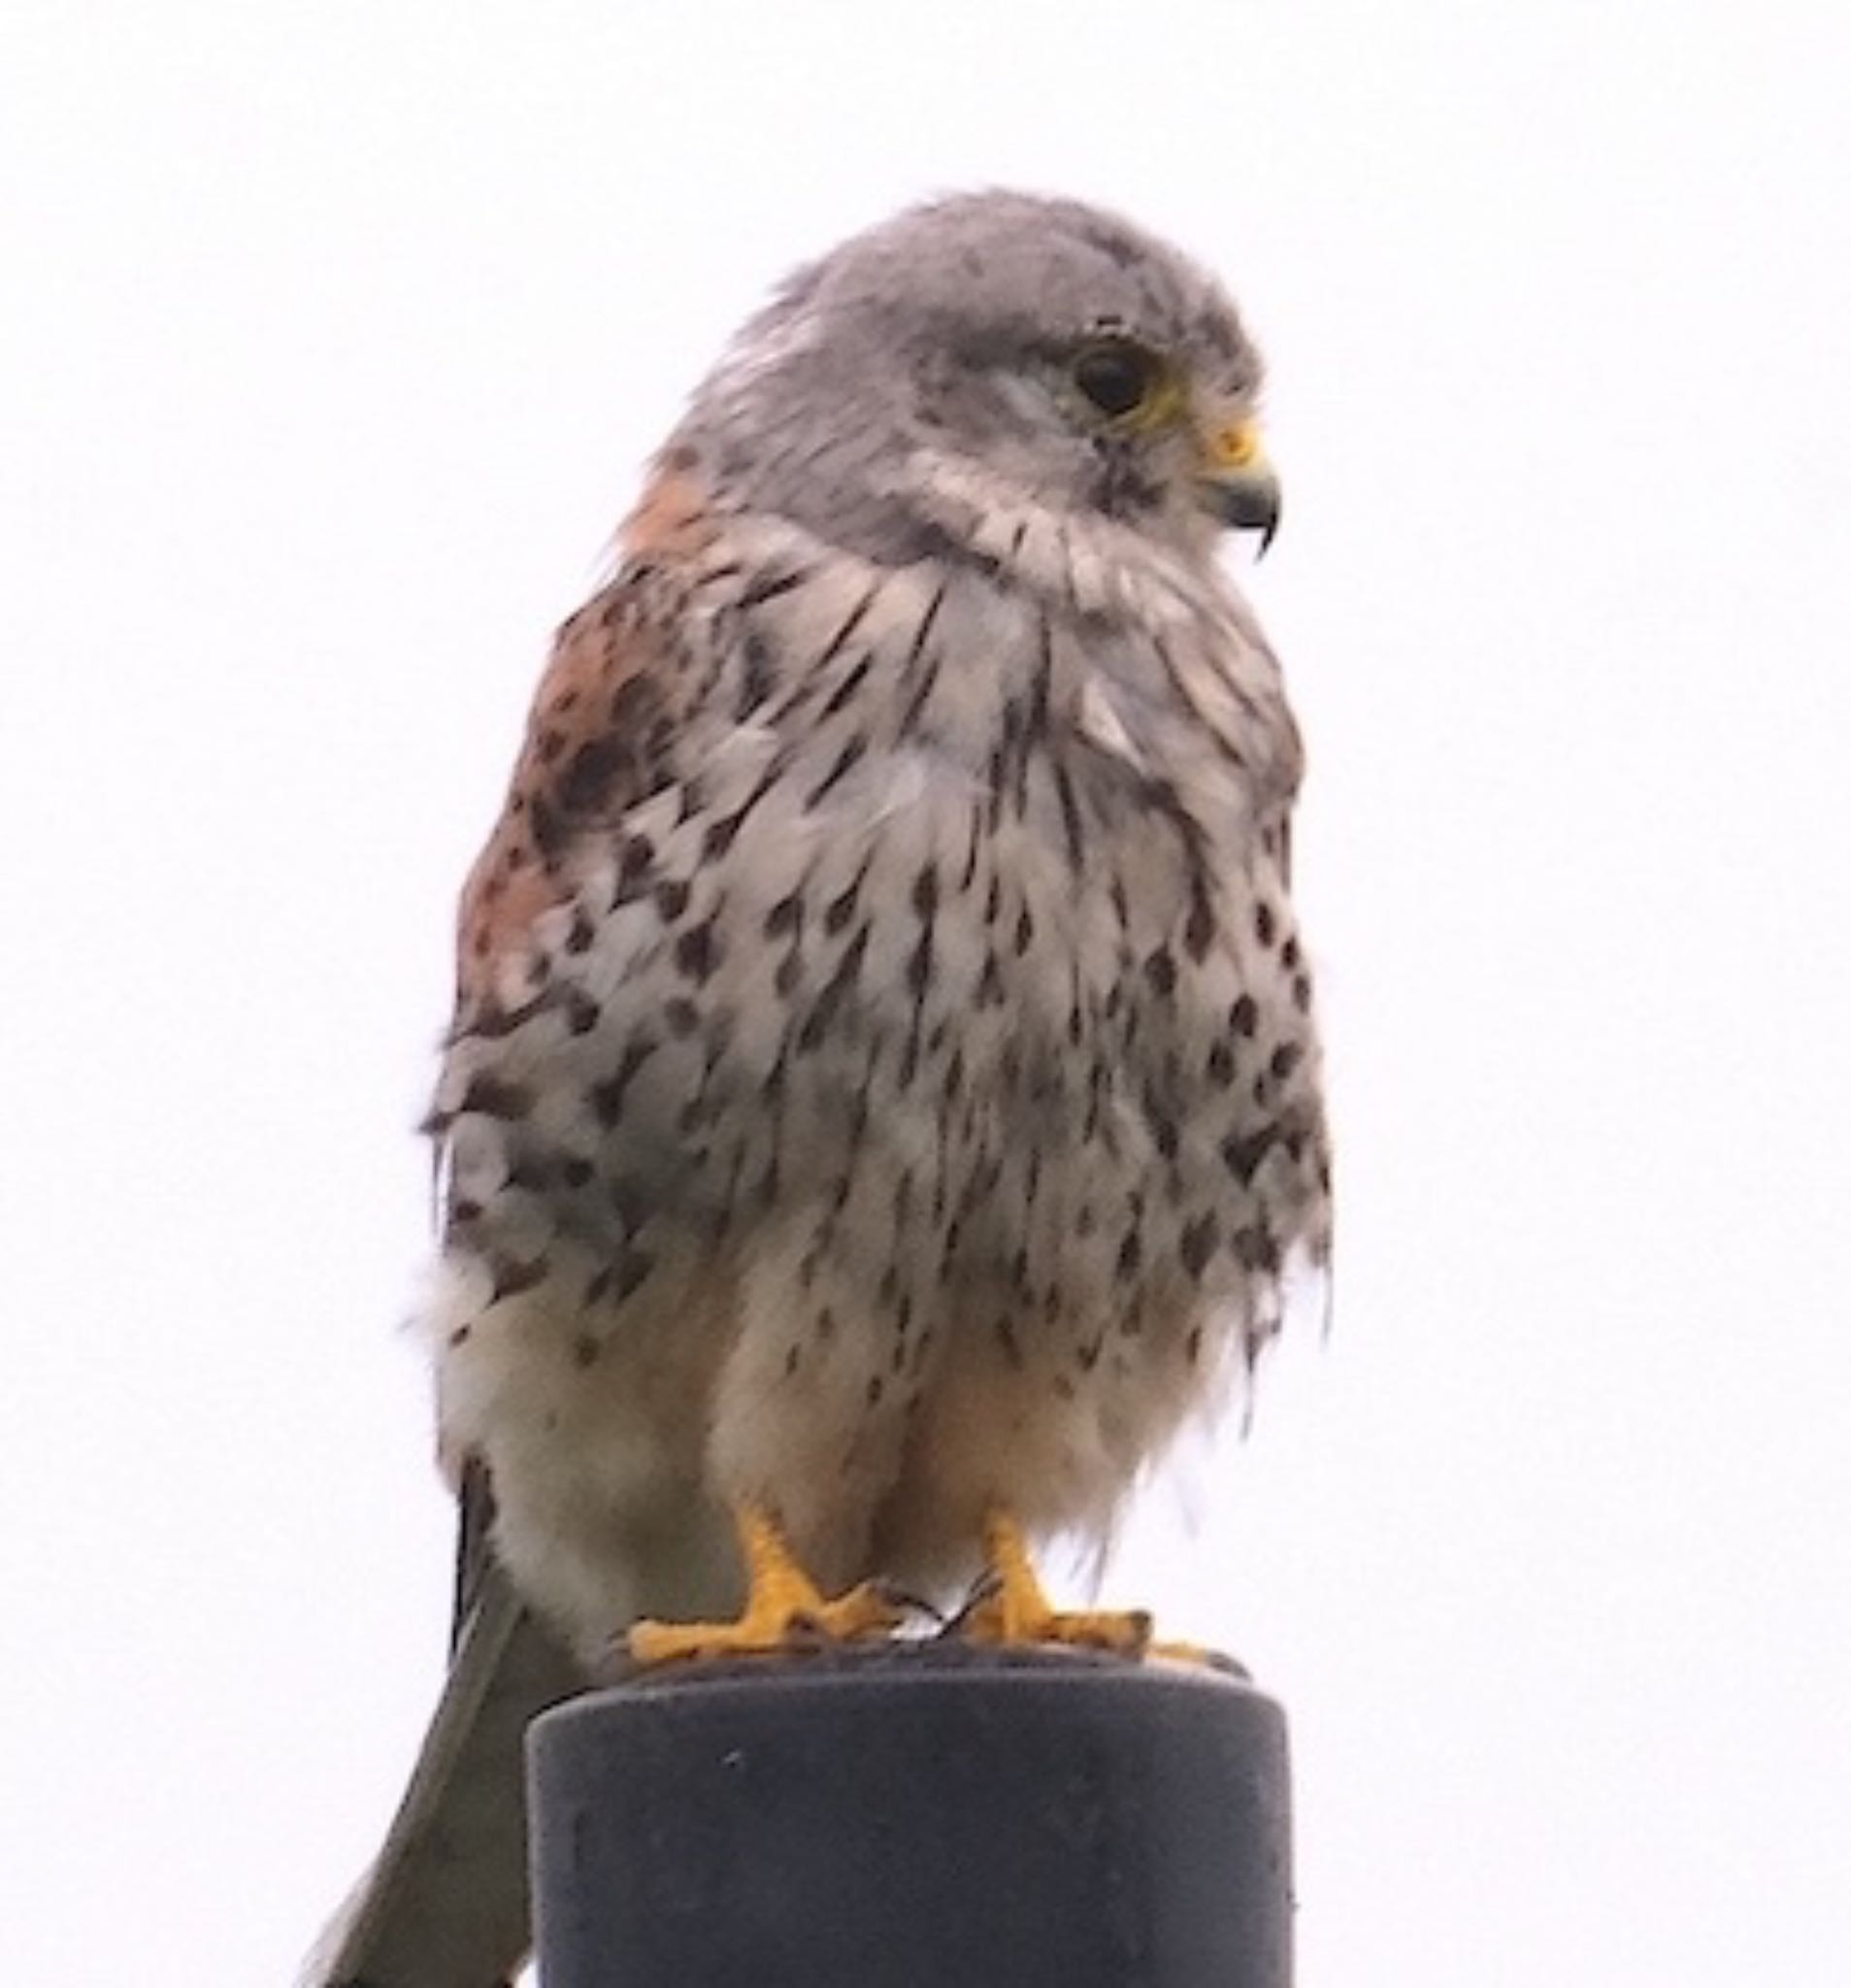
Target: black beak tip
[[1244, 506]]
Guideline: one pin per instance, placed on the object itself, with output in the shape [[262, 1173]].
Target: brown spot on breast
[[845, 761], [1198, 935], [1199, 1241], [1257, 1248], [697, 952], [633, 1272], [838, 911], [1131, 1256], [594, 767], [720, 836], [607, 1099], [493, 1098], [1241, 1155], [512, 1276]]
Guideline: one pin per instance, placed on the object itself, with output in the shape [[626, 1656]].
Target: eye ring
[[1117, 376]]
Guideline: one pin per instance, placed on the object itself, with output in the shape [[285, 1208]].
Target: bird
[[883, 1100]]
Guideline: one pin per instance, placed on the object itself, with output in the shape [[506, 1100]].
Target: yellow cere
[[1235, 445]]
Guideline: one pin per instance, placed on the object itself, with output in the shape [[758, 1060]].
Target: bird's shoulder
[[602, 734]]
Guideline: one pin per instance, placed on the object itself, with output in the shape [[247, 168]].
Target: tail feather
[[446, 1902]]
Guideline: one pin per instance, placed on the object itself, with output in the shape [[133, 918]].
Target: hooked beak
[[1237, 483]]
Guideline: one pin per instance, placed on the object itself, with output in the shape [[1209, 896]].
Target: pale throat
[[1076, 558]]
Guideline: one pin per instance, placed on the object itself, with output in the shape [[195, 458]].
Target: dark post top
[[922, 1813]]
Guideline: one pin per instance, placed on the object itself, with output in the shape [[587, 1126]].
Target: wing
[[600, 739], [445, 1904], [596, 744]]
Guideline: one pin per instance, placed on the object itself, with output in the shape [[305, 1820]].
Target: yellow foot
[[1014, 1608], [784, 1609]]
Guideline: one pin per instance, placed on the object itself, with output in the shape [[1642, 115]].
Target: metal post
[[925, 1815]]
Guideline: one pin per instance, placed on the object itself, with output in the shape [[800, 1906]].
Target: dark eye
[[1118, 376]]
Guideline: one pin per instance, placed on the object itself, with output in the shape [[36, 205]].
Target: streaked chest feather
[[954, 912]]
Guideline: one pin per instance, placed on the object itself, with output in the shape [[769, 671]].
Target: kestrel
[[882, 1102]]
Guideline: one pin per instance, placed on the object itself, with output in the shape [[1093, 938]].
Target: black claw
[[897, 1596], [987, 1586]]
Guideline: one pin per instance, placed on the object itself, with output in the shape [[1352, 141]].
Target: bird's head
[[990, 357]]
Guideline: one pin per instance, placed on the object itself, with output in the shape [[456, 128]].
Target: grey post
[[924, 1815]]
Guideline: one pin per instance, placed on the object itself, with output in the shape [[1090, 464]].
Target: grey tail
[[446, 1903]]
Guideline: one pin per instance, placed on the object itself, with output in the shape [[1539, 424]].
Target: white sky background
[[333, 338]]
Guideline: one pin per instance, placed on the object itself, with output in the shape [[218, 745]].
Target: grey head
[[991, 352]]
